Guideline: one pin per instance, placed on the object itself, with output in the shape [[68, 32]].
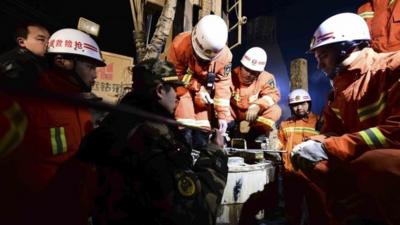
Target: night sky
[[296, 22]]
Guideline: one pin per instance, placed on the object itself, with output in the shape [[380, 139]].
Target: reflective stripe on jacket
[[293, 131], [194, 75], [383, 19], [13, 125], [262, 91], [52, 136], [366, 111]]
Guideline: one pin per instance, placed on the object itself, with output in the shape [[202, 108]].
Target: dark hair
[[309, 106], [154, 68], [150, 72], [22, 29]]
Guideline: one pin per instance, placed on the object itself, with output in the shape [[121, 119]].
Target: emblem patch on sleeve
[[185, 184], [272, 83], [227, 69]]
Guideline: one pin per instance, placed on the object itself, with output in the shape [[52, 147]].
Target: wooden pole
[[188, 17], [298, 74]]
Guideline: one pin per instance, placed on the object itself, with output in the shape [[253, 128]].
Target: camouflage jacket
[[150, 178]]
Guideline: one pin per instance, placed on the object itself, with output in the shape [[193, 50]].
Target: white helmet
[[209, 37], [299, 95], [255, 59], [75, 42], [339, 28]]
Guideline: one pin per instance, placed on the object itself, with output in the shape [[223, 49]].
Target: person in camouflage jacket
[[146, 170]]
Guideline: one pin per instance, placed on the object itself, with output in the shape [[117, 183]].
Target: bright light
[[88, 26]]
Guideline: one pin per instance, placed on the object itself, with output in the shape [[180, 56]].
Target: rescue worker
[[203, 62], [356, 159], [40, 187], [21, 65], [145, 167], [301, 125], [254, 103], [383, 22], [255, 95]]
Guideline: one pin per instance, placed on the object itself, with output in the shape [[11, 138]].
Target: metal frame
[[237, 8]]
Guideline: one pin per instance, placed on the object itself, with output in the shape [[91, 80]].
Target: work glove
[[305, 155], [252, 113], [205, 97], [223, 125]]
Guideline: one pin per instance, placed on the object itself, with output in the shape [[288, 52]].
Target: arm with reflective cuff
[[385, 134], [269, 93], [222, 96]]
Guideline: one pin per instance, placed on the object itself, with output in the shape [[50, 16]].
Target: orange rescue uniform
[[262, 92], [53, 134], [383, 19], [364, 157], [296, 186], [294, 131], [190, 109]]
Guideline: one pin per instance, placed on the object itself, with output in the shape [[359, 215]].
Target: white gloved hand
[[252, 112], [205, 97], [306, 154], [223, 125]]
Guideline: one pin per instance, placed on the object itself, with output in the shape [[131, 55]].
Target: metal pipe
[[233, 6], [229, 149], [98, 105]]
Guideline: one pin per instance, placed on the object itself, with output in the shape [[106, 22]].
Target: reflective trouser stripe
[[374, 138], [194, 123], [18, 126], [58, 140], [203, 123], [189, 122], [265, 121], [221, 102]]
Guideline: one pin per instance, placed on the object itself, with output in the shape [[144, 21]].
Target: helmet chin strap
[[345, 50], [75, 75], [334, 72]]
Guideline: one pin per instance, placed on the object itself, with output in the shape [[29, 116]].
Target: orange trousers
[[367, 187], [296, 187]]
